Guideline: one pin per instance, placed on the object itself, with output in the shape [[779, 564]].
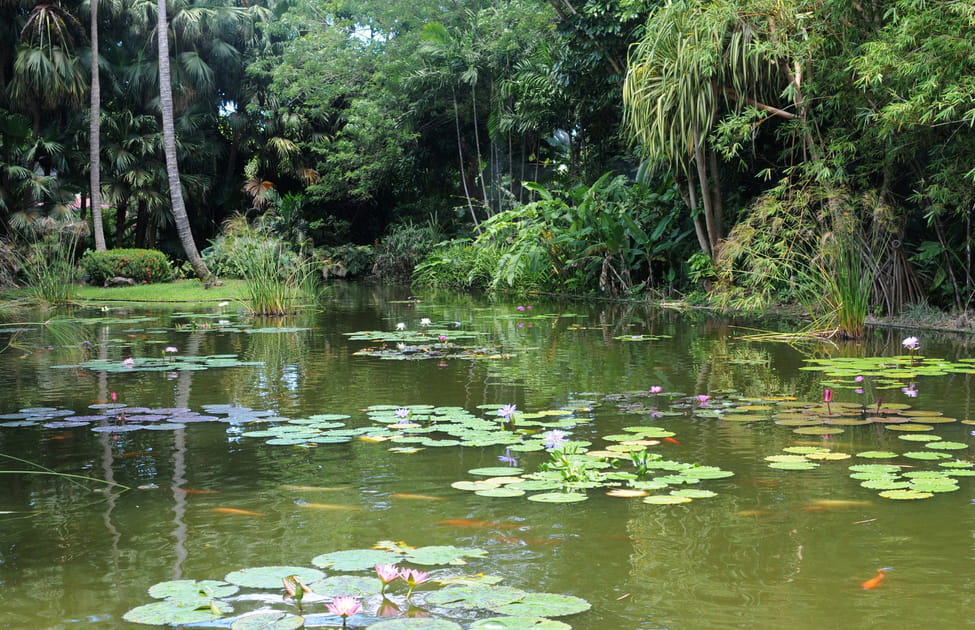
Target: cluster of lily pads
[[424, 343], [115, 417], [364, 589]]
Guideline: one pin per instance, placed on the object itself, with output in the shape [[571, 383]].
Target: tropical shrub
[[142, 265], [232, 251], [48, 265], [346, 261], [403, 248]]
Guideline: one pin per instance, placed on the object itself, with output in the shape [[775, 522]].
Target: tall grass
[[270, 288], [846, 277], [49, 266]]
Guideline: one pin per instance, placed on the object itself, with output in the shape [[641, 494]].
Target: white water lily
[[401, 326]]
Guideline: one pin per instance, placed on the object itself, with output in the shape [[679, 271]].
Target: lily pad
[[355, 559], [544, 605], [495, 471], [269, 620], [415, 623], [354, 585], [443, 554], [186, 589], [877, 454], [558, 497], [271, 576], [519, 623], [478, 596], [906, 495], [172, 613], [500, 492], [666, 499]]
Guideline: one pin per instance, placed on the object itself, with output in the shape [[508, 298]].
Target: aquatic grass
[[49, 266], [270, 288]]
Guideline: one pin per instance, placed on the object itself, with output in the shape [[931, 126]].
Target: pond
[[222, 478]]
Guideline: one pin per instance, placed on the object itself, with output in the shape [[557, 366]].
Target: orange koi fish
[[875, 581], [238, 511], [671, 440], [328, 506], [415, 497], [315, 488], [199, 491], [462, 522]]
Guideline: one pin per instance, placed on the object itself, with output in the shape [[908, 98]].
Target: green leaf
[[355, 559], [479, 596], [519, 623], [544, 605], [271, 576], [272, 620], [188, 589], [443, 554]]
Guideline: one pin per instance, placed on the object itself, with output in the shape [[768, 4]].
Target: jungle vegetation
[[737, 152]]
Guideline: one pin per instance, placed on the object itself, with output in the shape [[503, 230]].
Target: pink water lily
[[703, 399], [911, 343], [413, 578], [553, 439], [344, 606], [656, 389], [387, 573]]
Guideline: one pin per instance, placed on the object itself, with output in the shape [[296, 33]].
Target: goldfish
[[416, 497], [462, 522], [238, 511], [671, 440], [875, 581]]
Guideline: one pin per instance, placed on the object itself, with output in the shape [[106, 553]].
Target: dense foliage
[[617, 147], [141, 265]]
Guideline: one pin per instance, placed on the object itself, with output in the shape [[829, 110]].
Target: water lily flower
[[413, 578], [404, 415], [656, 389], [171, 349], [858, 379], [129, 362], [703, 399], [425, 321], [520, 308], [113, 396], [857, 391], [521, 324], [344, 606], [827, 395], [910, 391], [222, 304], [401, 347], [442, 338], [507, 459], [507, 411], [387, 573], [401, 326], [553, 439], [911, 343]]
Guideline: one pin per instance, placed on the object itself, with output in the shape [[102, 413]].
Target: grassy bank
[[175, 291]]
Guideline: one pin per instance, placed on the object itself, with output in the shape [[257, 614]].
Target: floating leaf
[[694, 493], [519, 623], [271, 576], [355, 559], [270, 620], [877, 454], [443, 554], [479, 596], [504, 492], [354, 585], [794, 465], [495, 471], [927, 455], [558, 497], [172, 613], [415, 623], [905, 495], [544, 605], [947, 446], [188, 589], [666, 499]]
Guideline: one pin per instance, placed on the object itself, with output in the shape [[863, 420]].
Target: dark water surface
[[774, 549]]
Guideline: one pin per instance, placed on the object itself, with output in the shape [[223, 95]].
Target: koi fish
[[671, 440], [199, 491], [315, 488], [136, 453], [840, 503], [461, 522], [875, 581], [328, 506], [415, 497], [238, 511]]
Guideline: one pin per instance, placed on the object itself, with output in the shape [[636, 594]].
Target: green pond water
[[773, 548]]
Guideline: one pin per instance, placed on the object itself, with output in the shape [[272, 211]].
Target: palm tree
[[94, 134], [169, 146]]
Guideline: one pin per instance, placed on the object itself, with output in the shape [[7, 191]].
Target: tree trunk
[[169, 144], [463, 175], [94, 135], [120, 212]]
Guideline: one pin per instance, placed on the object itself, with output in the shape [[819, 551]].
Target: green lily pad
[[172, 613], [495, 471], [885, 484], [519, 623], [666, 499], [354, 585], [271, 620], [817, 430], [947, 446], [479, 596], [803, 450], [944, 484], [443, 554], [926, 455], [355, 559], [558, 497], [694, 493], [473, 486], [877, 454], [794, 465], [875, 468], [270, 577], [188, 589], [415, 623], [544, 605], [919, 437], [503, 492], [906, 495]]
